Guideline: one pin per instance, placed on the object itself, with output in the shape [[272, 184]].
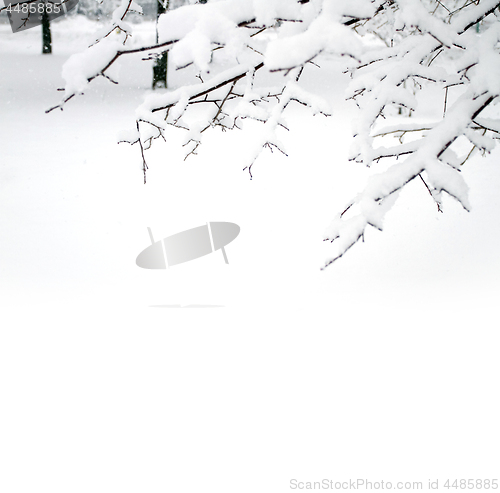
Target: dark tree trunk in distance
[[46, 37], [161, 63], [160, 71]]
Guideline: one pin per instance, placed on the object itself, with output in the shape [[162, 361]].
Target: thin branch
[[430, 193]]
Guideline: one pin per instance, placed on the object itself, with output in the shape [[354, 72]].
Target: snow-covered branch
[[385, 79], [227, 41], [248, 57]]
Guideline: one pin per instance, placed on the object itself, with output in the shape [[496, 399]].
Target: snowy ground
[[383, 366]]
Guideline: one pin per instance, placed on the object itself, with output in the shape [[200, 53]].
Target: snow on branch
[[386, 79], [227, 42], [247, 57]]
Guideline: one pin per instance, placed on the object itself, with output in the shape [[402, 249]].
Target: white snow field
[[117, 379]]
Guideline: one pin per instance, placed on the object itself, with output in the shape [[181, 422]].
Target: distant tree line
[[96, 11]]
